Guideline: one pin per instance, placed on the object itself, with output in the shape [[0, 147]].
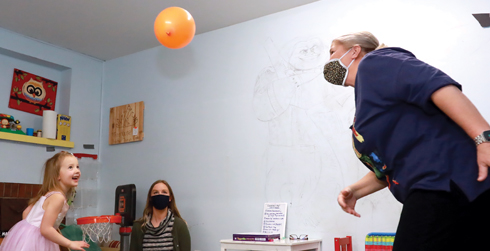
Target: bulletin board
[[126, 123]]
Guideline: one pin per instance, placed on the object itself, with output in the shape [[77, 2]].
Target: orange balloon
[[174, 27]]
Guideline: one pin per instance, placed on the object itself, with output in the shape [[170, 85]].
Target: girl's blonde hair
[[51, 174], [365, 39], [149, 205]]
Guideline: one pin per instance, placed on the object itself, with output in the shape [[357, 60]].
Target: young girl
[[37, 231]]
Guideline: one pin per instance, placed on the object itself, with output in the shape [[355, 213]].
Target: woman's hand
[[347, 201], [78, 245], [366, 185], [483, 160]]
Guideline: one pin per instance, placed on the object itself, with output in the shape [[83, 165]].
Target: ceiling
[[108, 29]]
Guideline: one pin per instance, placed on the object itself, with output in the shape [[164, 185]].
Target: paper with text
[[274, 218]]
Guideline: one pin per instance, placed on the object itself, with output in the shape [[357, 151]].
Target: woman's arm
[[460, 109], [183, 234], [136, 243], [52, 207], [366, 185]]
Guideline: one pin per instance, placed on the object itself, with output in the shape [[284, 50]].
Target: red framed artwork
[[31, 93]]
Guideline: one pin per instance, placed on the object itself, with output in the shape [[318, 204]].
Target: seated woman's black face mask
[[160, 201]]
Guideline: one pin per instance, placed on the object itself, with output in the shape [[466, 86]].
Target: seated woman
[[161, 227]]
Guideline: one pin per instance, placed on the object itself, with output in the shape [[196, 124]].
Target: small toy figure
[[5, 120], [5, 123], [13, 125], [9, 124]]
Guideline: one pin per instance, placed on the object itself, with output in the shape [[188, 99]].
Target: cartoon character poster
[[32, 93]]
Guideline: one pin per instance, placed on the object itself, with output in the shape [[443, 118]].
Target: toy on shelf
[[5, 120], [9, 124], [63, 127], [14, 124]]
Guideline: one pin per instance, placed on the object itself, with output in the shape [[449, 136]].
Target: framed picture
[[31, 93], [126, 123]]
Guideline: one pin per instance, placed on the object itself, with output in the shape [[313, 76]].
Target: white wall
[[79, 95], [229, 129]]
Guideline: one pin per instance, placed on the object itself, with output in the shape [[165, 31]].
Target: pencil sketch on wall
[[305, 116]]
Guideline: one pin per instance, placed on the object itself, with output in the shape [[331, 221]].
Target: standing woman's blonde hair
[[51, 174], [149, 205], [365, 39]]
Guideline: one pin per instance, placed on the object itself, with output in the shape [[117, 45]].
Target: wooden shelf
[[36, 140]]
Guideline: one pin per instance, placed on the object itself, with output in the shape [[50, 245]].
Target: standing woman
[[161, 227], [421, 137]]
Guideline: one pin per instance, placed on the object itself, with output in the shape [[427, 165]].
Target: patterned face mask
[[335, 71]]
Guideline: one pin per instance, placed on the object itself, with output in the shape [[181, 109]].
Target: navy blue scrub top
[[401, 135]]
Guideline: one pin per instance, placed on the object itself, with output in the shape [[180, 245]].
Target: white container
[[49, 124]]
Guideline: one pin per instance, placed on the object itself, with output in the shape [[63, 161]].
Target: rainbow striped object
[[377, 241]]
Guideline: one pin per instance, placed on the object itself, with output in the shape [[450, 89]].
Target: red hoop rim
[[99, 219]]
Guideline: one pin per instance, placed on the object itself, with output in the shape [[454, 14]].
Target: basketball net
[[98, 229]]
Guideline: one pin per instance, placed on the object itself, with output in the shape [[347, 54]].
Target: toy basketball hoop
[[98, 228]]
